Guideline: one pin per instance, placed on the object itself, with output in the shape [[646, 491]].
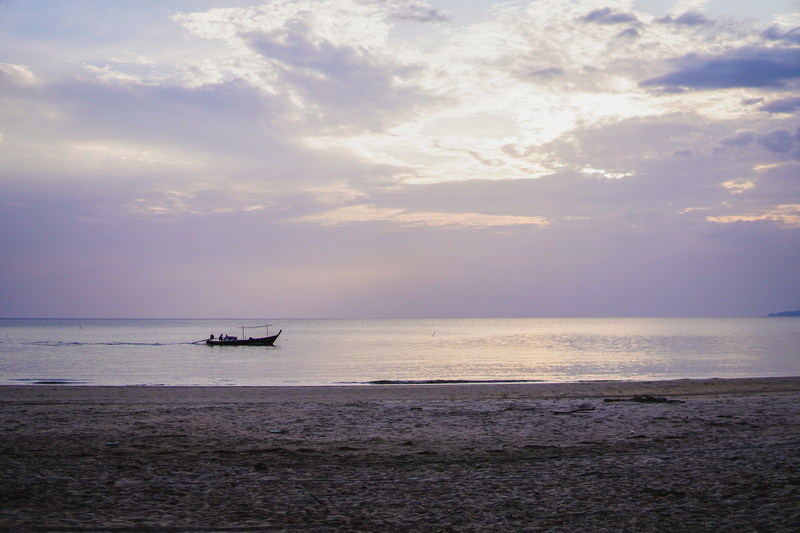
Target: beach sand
[[720, 455]]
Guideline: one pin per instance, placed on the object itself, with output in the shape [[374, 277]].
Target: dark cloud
[[630, 33], [690, 18], [547, 73], [784, 105], [419, 12], [778, 140], [606, 15], [742, 138], [775, 33], [749, 67], [752, 101]]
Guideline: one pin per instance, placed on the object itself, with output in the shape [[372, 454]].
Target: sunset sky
[[399, 158]]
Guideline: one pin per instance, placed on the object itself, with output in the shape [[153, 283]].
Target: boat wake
[[63, 343], [57, 381]]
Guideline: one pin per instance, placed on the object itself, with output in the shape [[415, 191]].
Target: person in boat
[[211, 338]]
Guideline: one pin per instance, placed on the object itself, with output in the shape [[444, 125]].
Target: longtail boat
[[226, 340]]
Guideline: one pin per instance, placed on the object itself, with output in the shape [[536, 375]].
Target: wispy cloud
[[400, 217], [786, 215]]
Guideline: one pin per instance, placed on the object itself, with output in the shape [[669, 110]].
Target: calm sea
[[330, 352]]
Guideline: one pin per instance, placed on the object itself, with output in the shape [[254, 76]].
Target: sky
[[399, 158]]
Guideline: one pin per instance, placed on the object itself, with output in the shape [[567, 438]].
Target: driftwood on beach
[[644, 398]]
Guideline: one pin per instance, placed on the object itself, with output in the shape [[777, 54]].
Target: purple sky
[[399, 158]]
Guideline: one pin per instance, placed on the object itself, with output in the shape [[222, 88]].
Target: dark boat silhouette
[[225, 340]]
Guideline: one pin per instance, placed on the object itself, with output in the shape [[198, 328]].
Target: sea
[[172, 352]]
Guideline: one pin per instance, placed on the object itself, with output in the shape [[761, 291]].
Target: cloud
[[335, 75], [690, 18], [343, 83], [779, 141], [630, 33], [545, 73], [782, 105], [400, 217], [787, 215], [776, 141], [414, 10], [17, 75], [776, 33], [606, 15], [742, 138], [747, 67]]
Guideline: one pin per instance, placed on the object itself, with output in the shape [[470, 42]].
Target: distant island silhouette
[[786, 313]]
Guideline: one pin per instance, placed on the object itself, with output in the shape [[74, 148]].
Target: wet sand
[[686, 455]]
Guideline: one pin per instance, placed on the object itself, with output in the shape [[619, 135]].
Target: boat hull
[[263, 341]]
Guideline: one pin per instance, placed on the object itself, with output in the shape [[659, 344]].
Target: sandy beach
[[687, 455]]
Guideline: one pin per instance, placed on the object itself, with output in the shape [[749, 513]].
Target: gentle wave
[[44, 381], [448, 381]]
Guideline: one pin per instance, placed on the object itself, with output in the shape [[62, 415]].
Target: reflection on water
[[169, 352]]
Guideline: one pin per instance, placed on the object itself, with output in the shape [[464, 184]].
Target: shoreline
[[401, 391], [716, 454]]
